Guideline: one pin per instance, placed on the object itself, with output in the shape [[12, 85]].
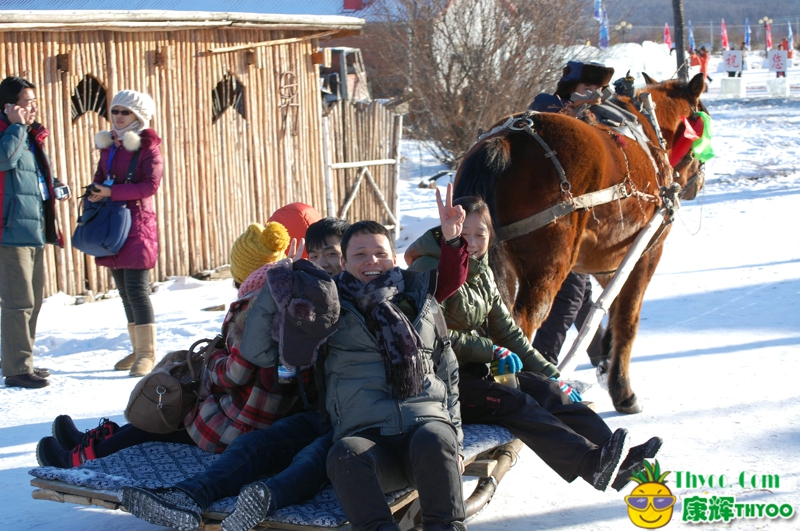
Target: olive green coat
[[475, 314]]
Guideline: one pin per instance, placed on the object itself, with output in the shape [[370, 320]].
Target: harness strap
[[559, 210]]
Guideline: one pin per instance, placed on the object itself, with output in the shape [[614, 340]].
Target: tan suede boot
[[127, 362], [145, 349]]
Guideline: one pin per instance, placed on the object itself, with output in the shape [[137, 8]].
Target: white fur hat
[[139, 103]]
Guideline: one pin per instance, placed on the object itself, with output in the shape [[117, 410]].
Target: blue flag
[[747, 33], [691, 38], [598, 10], [604, 32]]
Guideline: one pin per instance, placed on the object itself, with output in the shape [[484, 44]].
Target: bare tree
[[468, 63]]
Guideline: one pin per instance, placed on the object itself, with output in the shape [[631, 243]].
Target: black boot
[[251, 509], [27, 381], [605, 461], [170, 507], [634, 461], [50, 453]]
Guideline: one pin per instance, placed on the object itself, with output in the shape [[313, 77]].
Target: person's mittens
[[505, 361], [568, 390]]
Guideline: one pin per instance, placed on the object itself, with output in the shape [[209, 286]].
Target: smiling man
[[324, 244], [391, 380]]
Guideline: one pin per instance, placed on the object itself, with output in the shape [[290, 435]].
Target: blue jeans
[[294, 449]]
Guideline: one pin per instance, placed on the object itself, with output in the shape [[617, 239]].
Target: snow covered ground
[[716, 362]]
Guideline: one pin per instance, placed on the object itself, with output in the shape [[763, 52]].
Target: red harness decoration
[[688, 131]]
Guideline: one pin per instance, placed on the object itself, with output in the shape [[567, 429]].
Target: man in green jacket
[[28, 192]]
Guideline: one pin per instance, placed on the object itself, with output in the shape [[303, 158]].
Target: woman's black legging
[[134, 289]]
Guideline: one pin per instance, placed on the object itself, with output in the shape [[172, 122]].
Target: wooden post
[[395, 171], [326, 167], [600, 308]]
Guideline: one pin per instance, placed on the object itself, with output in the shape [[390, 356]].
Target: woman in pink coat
[[130, 170]]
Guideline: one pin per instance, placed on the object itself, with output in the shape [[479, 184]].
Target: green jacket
[[476, 315]]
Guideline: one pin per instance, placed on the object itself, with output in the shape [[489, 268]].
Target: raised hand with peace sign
[[452, 217]]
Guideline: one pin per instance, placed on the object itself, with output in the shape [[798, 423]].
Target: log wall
[[218, 177]]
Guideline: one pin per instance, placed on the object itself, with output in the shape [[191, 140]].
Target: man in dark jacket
[[391, 381], [27, 204]]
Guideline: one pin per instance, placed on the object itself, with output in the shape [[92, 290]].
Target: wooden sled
[[489, 466]]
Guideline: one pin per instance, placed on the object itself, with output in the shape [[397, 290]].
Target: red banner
[[769, 36], [725, 43], [667, 36]]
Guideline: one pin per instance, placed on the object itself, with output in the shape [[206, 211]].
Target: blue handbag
[[104, 226]]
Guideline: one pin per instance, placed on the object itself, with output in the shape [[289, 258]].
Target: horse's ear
[[649, 80], [697, 85]]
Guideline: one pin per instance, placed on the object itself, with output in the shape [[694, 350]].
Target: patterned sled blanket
[[154, 465]]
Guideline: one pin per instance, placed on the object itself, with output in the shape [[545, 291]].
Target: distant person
[[133, 147], [702, 57], [28, 191], [784, 45]]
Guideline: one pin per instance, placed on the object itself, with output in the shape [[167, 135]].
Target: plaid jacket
[[238, 396]]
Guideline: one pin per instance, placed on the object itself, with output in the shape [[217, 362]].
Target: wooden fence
[[222, 171]]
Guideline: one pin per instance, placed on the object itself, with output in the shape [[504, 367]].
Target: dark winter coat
[[545, 102], [28, 221], [141, 248], [357, 394], [476, 315]]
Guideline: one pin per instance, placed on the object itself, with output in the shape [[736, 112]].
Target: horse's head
[[676, 102]]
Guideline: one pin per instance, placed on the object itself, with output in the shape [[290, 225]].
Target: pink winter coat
[[141, 248]]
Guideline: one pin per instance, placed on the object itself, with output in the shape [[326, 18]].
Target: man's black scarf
[[400, 343]]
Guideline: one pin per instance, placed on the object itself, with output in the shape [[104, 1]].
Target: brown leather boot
[[126, 363], [145, 349]]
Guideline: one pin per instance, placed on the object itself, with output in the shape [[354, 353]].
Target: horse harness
[[617, 192]]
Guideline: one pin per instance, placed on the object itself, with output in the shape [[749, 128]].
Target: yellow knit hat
[[256, 247]]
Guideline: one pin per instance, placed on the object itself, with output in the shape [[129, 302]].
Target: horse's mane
[[481, 169]]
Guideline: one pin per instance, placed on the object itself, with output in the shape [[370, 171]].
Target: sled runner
[[490, 451]]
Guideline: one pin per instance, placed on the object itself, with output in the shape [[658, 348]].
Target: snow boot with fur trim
[[126, 363], [145, 349]]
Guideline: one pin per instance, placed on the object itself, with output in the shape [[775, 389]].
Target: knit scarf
[[399, 342], [134, 126]]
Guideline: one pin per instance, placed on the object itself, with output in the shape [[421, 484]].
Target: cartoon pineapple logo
[[650, 504]]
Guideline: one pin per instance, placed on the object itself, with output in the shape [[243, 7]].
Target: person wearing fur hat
[[237, 397], [574, 299], [130, 170], [578, 78]]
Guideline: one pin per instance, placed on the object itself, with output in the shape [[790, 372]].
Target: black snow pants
[[558, 430]]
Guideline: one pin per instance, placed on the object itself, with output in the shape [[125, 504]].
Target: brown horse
[[512, 172]]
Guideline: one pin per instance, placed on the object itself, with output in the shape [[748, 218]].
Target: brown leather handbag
[[163, 399]]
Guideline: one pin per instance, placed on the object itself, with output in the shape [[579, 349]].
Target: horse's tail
[[478, 176]]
